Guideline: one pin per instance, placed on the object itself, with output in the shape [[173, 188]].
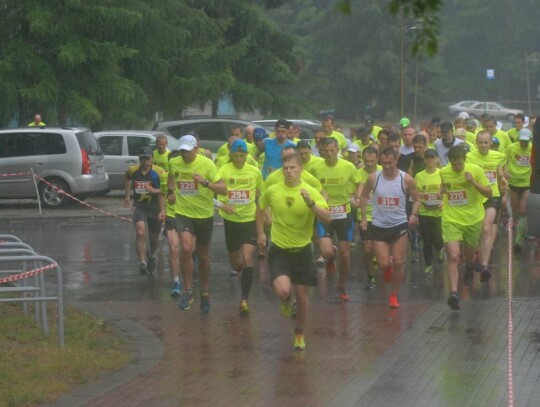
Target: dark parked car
[[307, 127], [212, 133]]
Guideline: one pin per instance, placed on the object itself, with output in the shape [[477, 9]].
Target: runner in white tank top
[[390, 224], [389, 201]]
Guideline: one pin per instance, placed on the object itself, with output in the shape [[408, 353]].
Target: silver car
[[121, 149], [68, 158], [477, 109]]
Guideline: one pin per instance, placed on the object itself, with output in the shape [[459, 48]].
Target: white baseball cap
[[187, 142]]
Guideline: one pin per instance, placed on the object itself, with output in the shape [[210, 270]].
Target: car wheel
[[510, 117], [51, 194]]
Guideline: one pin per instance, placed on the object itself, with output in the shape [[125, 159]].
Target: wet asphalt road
[[421, 355]]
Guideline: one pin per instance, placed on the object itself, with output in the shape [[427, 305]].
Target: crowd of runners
[[300, 205]]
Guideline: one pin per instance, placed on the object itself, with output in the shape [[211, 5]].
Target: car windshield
[[87, 141]]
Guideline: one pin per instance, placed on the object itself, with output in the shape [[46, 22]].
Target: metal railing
[[31, 265]]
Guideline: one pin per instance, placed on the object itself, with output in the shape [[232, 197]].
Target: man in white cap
[[353, 155], [193, 180], [464, 115]]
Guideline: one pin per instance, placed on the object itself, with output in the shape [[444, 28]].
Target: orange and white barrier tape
[[81, 202], [26, 274]]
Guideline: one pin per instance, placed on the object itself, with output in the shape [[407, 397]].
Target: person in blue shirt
[[273, 147]]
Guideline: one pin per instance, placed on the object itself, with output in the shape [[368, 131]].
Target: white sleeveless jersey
[[389, 201]]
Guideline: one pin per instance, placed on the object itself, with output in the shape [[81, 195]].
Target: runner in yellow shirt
[[248, 138], [173, 240], [304, 151], [372, 129], [363, 138], [259, 134], [294, 206], [518, 156], [428, 184], [278, 177], [328, 125], [491, 126], [193, 180], [336, 176], [492, 163], [238, 209], [370, 156], [236, 133], [519, 123], [464, 187], [226, 159], [161, 153]]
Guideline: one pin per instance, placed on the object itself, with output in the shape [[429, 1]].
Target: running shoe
[[428, 270], [151, 264], [485, 275], [143, 268], [205, 301], [186, 299], [176, 290], [286, 308], [233, 273], [387, 274], [243, 309], [441, 256], [353, 243], [370, 283], [393, 301], [299, 343], [342, 294], [453, 302]]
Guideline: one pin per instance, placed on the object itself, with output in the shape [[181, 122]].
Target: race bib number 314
[[388, 203]]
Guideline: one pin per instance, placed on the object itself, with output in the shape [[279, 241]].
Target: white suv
[[69, 158]]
